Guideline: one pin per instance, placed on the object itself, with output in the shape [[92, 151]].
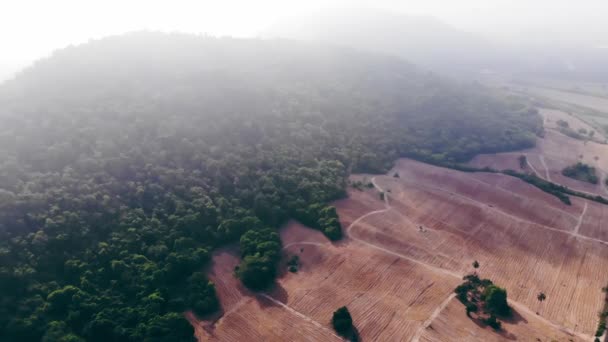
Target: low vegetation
[[563, 123], [343, 323], [293, 263], [603, 315], [580, 134], [572, 133], [523, 161], [582, 172], [483, 300]]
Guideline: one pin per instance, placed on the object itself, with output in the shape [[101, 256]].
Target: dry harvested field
[[452, 325], [553, 153], [464, 218], [572, 86], [593, 102], [389, 297], [551, 116], [401, 260], [246, 316]]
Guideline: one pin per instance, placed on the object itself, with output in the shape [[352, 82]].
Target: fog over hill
[[430, 43], [424, 41], [127, 160]]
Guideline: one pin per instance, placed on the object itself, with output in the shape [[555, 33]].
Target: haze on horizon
[[32, 29]]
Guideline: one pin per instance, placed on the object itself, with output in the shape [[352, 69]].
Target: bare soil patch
[[453, 325]]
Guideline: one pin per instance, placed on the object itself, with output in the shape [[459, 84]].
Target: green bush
[[342, 321], [496, 300]]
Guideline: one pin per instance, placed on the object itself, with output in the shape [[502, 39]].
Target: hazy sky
[[30, 29]]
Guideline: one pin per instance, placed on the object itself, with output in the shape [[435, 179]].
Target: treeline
[[559, 191], [556, 190], [126, 161]]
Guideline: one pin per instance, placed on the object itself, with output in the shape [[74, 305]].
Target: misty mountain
[[126, 161], [424, 41], [432, 44]]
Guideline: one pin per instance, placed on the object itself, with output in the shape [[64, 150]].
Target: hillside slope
[[424, 41], [125, 161]]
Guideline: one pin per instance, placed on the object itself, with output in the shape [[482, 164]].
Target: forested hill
[[125, 161]]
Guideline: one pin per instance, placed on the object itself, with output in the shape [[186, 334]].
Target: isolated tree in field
[[381, 196], [541, 297], [342, 321], [476, 264], [522, 161], [396, 175]]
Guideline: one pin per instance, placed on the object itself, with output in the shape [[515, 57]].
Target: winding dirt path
[[542, 161], [580, 220]]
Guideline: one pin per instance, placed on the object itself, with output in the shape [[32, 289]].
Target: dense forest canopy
[[125, 161]]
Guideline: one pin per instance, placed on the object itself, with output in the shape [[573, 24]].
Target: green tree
[[496, 300], [257, 272], [342, 321]]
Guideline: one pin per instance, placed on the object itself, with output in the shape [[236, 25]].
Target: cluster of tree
[[601, 326], [126, 161], [261, 251], [556, 190], [582, 172], [321, 217], [580, 134], [486, 300], [342, 322], [360, 185]]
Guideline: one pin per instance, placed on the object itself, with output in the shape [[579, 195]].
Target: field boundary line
[[533, 224], [518, 195], [432, 317], [580, 219], [299, 314], [542, 161]]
